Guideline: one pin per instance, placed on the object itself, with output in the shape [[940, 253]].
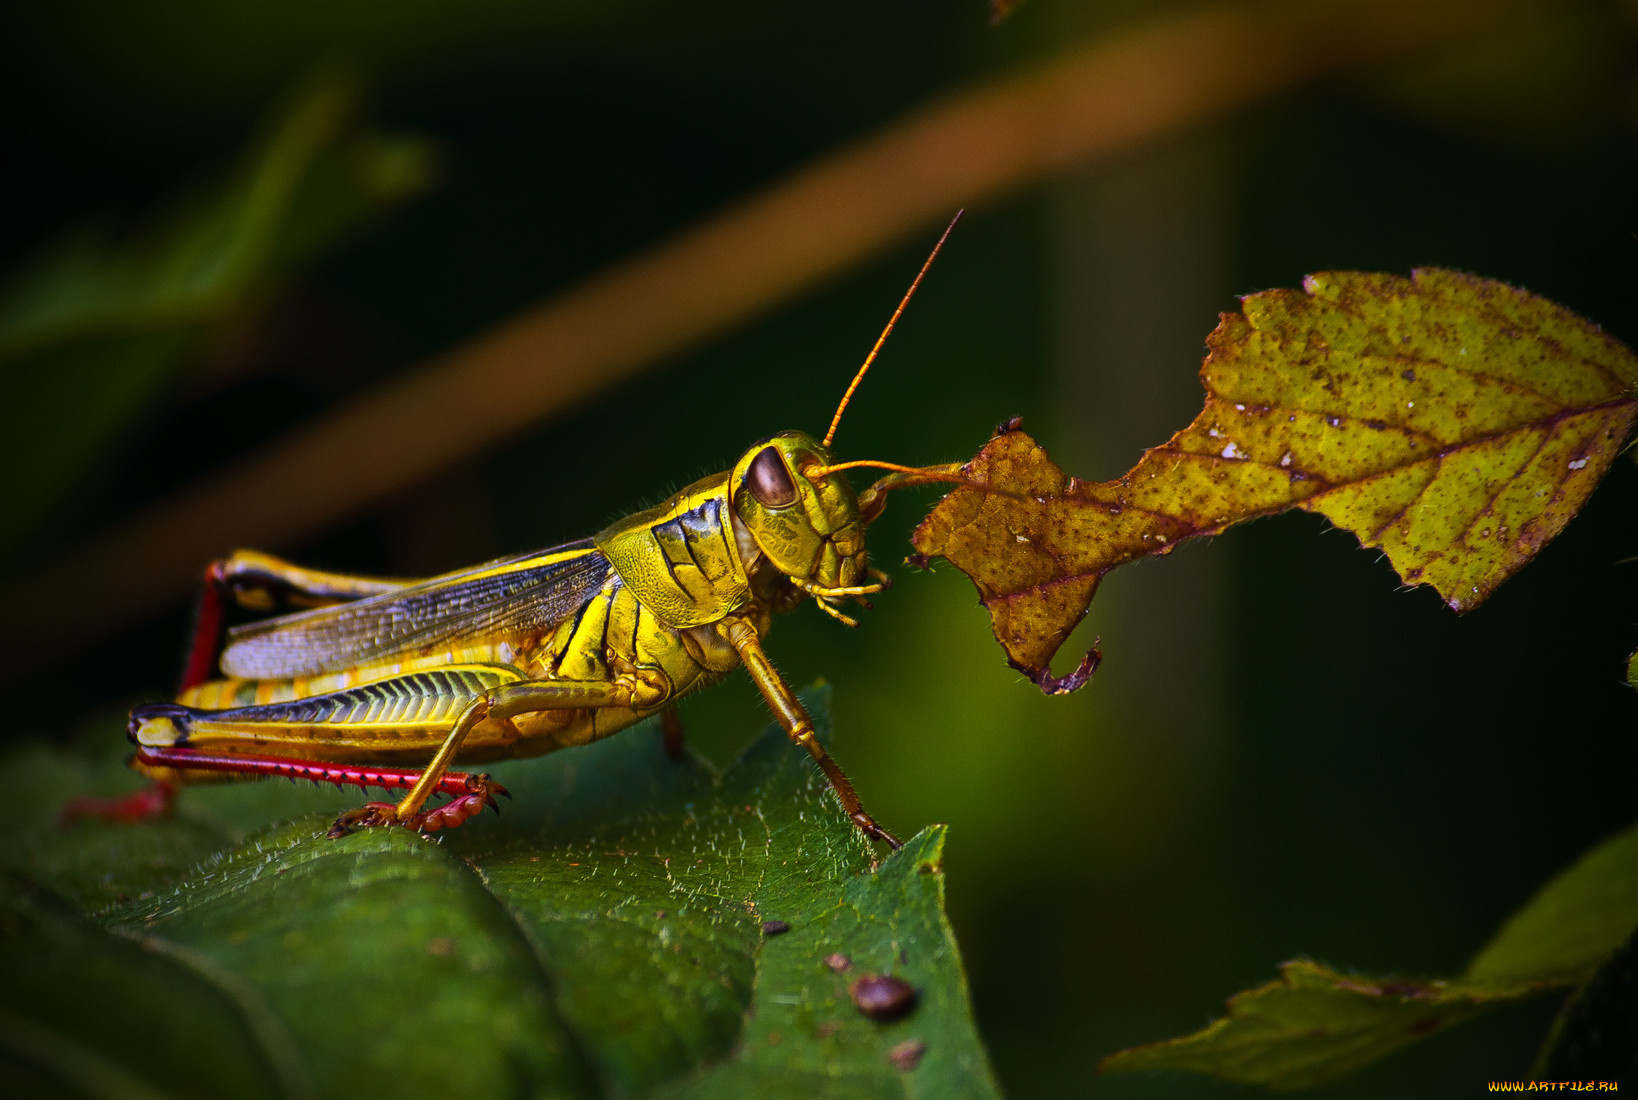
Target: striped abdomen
[[406, 713]]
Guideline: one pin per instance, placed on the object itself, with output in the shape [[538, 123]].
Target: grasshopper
[[390, 683]]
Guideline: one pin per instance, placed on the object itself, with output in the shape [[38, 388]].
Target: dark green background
[[1284, 754]]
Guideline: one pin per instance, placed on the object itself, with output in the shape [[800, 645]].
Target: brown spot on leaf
[[906, 1056], [882, 996]]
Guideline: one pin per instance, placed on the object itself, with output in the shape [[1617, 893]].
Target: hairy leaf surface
[[605, 937]]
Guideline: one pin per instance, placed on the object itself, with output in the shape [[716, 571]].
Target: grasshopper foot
[[480, 792], [371, 815], [867, 825]]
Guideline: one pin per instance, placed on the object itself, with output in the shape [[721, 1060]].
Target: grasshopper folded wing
[[518, 595]]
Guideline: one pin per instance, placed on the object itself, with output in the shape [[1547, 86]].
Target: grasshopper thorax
[[808, 528]]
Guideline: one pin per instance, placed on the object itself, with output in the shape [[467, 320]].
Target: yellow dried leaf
[[1455, 423]]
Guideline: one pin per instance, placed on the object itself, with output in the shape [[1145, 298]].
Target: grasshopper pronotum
[[389, 683]]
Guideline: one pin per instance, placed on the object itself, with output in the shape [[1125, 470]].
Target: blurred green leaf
[[1315, 1024], [603, 938], [1311, 1026], [85, 1012], [93, 327], [1571, 924]]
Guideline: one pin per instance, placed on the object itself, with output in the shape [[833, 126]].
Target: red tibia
[[206, 648], [149, 804], [469, 794], [352, 775]]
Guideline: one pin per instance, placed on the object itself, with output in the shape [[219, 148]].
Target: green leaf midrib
[[540, 975], [541, 956]]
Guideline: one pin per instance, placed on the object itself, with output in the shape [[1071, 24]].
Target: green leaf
[[1456, 424], [1572, 923], [100, 1015], [92, 328], [604, 937], [1311, 1026], [1314, 1024]]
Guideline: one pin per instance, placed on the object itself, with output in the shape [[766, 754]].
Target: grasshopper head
[[809, 528], [804, 519]]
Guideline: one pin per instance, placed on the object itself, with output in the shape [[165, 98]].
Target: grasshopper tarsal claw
[[481, 791], [867, 825], [371, 815]]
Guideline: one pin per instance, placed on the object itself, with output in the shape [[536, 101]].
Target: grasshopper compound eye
[[768, 480]]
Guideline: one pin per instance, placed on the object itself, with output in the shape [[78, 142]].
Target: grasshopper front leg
[[742, 635]]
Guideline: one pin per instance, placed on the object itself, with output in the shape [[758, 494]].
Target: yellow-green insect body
[[529, 654], [390, 683]]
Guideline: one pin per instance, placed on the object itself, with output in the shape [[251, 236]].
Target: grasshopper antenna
[[891, 321]]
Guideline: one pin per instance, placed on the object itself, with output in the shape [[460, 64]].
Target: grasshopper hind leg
[[480, 791], [179, 743], [265, 585], [168, 765], [235, 743]]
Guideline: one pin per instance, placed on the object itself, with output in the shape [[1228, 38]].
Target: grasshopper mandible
[[390, 683]]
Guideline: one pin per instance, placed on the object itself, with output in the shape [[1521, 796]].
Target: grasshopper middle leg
[[798, 726]]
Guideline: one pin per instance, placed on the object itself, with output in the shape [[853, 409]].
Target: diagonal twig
[[961, 151]]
